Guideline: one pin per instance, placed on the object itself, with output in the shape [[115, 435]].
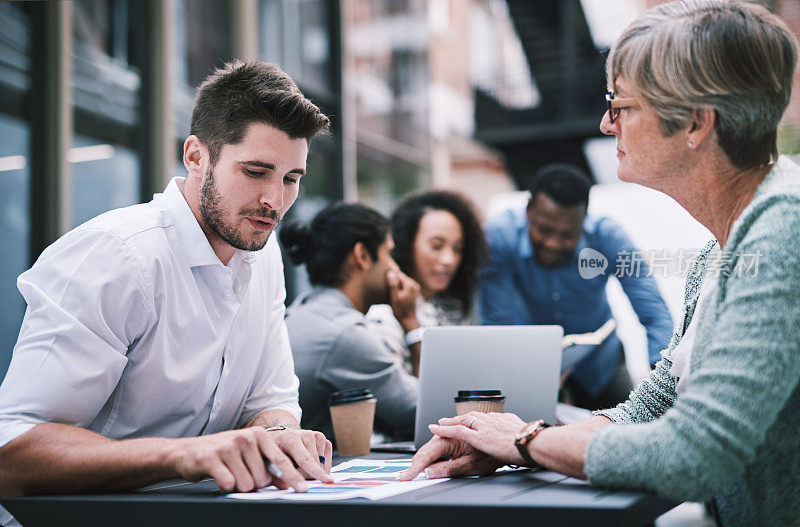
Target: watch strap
[[525, 436], [523, 451]]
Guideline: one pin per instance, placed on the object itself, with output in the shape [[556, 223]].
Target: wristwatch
[[525, 436]]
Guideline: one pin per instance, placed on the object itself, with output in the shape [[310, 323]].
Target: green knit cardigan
[[733, 437]]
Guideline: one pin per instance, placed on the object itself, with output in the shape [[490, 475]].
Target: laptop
[[524, 362]]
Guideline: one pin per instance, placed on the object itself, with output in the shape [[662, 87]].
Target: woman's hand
[[493, 434], [479, 443], [457, 459], [403, 293]]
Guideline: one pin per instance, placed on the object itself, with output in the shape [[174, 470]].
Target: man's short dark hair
[[241, 93], [567, 185]]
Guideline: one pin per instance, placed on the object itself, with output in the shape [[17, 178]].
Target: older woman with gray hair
[[698, 89]]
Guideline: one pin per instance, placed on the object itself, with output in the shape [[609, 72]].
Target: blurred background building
[[95, 99]]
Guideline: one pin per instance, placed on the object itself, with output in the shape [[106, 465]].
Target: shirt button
[[556, 296], [557, 314]]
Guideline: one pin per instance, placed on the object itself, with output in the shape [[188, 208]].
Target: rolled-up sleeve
[[86, 305], [651, 398]]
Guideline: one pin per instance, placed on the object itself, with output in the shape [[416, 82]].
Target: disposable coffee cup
[[352, 414], [479, 401]]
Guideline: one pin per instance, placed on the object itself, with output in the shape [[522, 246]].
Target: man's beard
[[213, 214]]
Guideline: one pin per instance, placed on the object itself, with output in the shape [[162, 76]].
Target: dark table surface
[[534, 498]]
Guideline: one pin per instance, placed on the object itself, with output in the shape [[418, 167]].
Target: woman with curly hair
[[439, 243]]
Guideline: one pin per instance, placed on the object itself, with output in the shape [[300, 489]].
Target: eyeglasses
[[615, 105]]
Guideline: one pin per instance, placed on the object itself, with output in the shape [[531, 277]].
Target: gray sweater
[[734, 435], [334, 350]]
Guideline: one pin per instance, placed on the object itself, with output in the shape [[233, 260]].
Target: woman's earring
[[691, 144]]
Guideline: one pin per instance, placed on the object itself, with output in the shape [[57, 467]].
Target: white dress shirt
[[135, 328]]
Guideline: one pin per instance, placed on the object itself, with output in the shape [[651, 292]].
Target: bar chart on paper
[[358, 478]]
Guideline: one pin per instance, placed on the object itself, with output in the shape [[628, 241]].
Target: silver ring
[[472, 422]]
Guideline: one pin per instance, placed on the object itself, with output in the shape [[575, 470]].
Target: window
[[14, 228], [295, 35], [15, 67], [106, 89], [200, 46], [104, 177]]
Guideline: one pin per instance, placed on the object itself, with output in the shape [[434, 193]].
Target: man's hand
[[457, 459], [237, 459], [491, 433], [310, 450], [403, 293]]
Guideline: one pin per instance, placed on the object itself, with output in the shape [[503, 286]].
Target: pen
[[273, 469]]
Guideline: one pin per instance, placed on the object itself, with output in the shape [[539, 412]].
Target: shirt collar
[[782, 168], [334, 295], [524, 247], [196, 247]]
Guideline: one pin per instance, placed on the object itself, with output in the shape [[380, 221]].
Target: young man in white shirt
[[154, 345]]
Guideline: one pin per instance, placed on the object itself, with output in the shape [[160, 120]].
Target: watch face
[[524, 434]]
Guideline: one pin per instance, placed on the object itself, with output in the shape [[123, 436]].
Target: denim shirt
[[516, 290]]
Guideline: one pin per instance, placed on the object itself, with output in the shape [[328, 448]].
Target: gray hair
[[736, 58]]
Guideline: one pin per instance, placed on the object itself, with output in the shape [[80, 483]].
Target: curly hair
[[405, 225]]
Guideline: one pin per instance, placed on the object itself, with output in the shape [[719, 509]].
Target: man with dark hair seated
[[154, 346], [532, 276], [347, 252]]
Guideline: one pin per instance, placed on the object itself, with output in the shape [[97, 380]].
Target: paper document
[[595, 338], [373, 479], [577, 347]]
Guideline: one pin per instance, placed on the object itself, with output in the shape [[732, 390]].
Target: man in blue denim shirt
[[549, 264]]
